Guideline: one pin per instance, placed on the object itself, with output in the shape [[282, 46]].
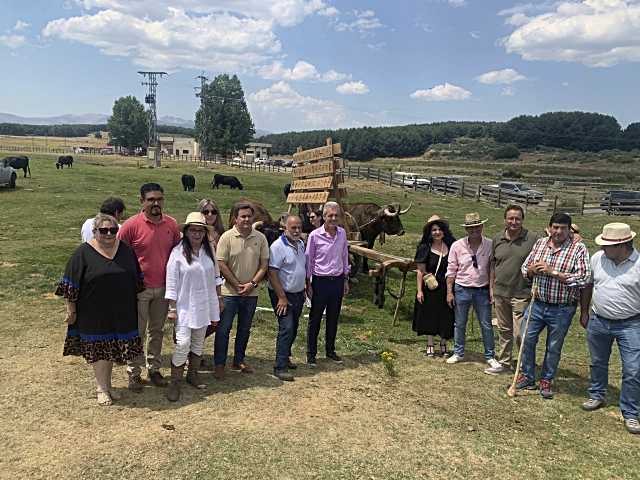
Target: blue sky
[[307, 64]]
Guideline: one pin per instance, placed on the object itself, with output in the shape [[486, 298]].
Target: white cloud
[[377, 46], [329, 12], [565, 84], [20, 25], [12, 41], [506, 76], [301, 71], [475, 35], [442, 93], [597, 33], [353, 88], [364, 23], [457, 3], [236, 35], [270, 104], [508, 91]]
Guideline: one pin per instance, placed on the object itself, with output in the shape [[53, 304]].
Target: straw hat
[[196, 218], [615, 233], [434, 219], [473, 220]]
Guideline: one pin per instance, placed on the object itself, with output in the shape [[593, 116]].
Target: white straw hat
[[615, 233]]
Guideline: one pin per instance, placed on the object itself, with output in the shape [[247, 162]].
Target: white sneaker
[[495, 367], [454, 359]]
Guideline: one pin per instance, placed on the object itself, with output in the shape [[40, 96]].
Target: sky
[[310, 64]]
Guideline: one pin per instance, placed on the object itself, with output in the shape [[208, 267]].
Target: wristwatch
[[253, 284], [555, 273]]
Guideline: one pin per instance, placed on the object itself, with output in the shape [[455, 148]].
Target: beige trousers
[[152, 312], [509, 312]]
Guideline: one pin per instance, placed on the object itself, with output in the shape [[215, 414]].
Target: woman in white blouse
[[194, 300]]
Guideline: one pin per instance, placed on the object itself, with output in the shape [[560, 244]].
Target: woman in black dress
[[99, 286], [432, 316]]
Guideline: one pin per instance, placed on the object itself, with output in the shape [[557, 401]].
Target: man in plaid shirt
[[559, 267]]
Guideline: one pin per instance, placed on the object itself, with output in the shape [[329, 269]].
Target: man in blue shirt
[[287, 275]]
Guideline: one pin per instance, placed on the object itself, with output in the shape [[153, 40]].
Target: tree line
[[570, 130], [75, 130]]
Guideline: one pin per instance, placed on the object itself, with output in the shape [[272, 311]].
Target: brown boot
[[173, 392], [219, 372], [193, 378]]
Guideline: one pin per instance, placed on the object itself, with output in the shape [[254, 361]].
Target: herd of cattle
[[371, 220]]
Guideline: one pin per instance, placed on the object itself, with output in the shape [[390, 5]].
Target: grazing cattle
[[374, 220], [189, 183], [64, 160], [287, 190], [262, 221], [19, 163], [231, 181]]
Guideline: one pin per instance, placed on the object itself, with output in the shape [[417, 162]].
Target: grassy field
[[336, 422], [40, 142]]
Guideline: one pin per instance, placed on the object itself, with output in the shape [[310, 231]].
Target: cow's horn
[[402, 212], [257, 224], [389, 213]]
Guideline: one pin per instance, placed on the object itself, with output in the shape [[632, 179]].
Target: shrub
[[506, 152]]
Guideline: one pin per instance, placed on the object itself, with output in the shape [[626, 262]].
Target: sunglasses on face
[[109, 230], [474, 261], [210, 212]]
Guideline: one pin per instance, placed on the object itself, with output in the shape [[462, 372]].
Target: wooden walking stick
[[534, 290]]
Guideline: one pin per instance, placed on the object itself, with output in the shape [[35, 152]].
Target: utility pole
[[201, 95], [150, 99]]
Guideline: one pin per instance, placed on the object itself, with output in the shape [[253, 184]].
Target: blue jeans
[[479, 298], [557, 318], [287, 326], [600, 335], [245, 307]]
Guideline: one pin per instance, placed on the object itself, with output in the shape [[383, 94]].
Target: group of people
[[533, 282], [125, 281]]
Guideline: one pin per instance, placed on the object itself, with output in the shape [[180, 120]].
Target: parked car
[[8, 174], [520, 190], [260, 161], [621, 202], [288, 163], [278, 163], [412, 179]]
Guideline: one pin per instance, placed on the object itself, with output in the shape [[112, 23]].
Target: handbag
[[430, 279]]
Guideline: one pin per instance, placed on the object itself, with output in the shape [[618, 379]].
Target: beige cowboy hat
[[196, 218], [615, 233], [473, 220], [434, 219]]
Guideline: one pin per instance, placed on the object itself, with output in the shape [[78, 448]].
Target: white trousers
[[187, 339]]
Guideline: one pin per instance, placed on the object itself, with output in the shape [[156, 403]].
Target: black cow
[[287, 190], [64, 160], [231, 181], [19, 163], [374, 220], [189, 183]]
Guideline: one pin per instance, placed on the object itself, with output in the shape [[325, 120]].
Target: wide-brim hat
[[434, 219], [473, 220], [196, 218], [615, 233]]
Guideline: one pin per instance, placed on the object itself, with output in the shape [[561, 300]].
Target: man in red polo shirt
[[152, 236]]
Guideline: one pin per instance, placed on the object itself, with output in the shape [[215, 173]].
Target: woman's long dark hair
[[426, 234], [186, 245]]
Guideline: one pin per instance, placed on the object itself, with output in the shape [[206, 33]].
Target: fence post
[[390, 178], [609, 207], [348, 171], [462, 189], [378, 175], [431, 183], [526, 203], [445, 186], [368, 173], [584, 199], [358, 172], [478, 193], [499, 195], [555, 203]]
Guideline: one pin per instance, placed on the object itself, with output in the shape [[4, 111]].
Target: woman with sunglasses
[[99, 286], [211, 213], [194, 300], [315, 217]]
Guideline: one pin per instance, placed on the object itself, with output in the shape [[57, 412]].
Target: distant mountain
[[85, 118], [261, 133]]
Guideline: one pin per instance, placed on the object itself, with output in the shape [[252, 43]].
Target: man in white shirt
[[615, 315], [113, 206]]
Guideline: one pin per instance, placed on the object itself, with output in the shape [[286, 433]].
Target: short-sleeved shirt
[[461, 266], [507, 257], [290, 262], [152, 242], [242, 255], [616, 288]]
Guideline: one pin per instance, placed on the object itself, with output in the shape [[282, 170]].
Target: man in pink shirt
[[152, 236], [468, 284], [327, 281]]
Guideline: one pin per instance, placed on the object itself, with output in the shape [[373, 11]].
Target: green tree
[[223, 122], [129, 123]]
